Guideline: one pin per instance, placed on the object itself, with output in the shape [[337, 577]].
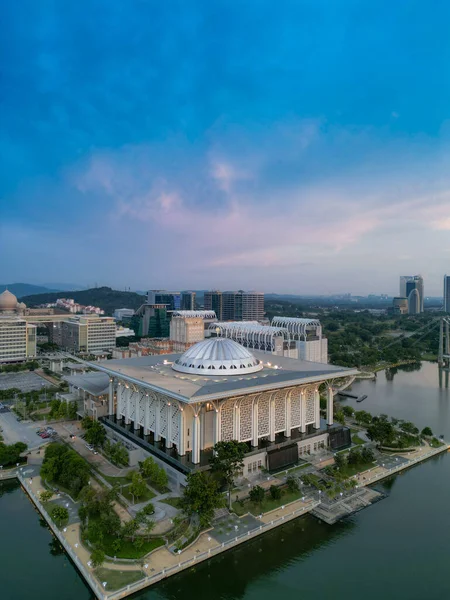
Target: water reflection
[[233, 572]]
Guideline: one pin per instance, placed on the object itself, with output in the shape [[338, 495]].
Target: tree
[[72, 410], [148, 467], [340, 460], [354, 457], [137, 487], [367, 455], [96, 434], [292, 483], [409, 427], [348, 411], [275, 492], [340, 417], [59, 514], [160, 478], [201, 497], [257, 494], [10, 455], [97, 557], [130, 529], [46, 496], [64, 466], [381, 431], [363, 417], [426, 431], [228, 461]]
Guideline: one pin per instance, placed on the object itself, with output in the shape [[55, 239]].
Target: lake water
[[399, 548]]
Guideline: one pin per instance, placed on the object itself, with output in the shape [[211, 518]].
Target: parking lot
[[15, 431], [25, 382]]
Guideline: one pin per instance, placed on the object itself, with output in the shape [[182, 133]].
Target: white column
[[137, 416], [196, 439], [317, 408], [255, 424], [147, 415], [272, 419], [127, 405], [287, 431], [120, 390], [157, 419], [303, 411], [111, 397], [217, 424], [181, 426], [330, 398], [236, 422], [169, 443]]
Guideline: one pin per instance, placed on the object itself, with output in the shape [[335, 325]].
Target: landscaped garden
[[115, 580]]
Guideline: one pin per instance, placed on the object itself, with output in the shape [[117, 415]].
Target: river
[[399, 548]]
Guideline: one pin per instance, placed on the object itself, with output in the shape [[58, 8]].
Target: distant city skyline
[[302, 152]]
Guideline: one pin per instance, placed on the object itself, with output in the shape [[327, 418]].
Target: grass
[[175, 502], [146, 496], [291, 470], [350, 470], [356, 439], [161, 489], [115, 580], [268, 503], [127, 548]]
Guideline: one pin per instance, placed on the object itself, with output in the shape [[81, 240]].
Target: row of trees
[[59, 409], [28, 366], [116, 453], [95, 433]]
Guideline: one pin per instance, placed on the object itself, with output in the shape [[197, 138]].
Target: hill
[[104, 297], [26, 289]]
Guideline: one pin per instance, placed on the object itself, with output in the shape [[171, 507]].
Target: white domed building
[[17, 337], [177, 407]]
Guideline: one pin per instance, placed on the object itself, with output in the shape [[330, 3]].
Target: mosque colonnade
[[193, 427]]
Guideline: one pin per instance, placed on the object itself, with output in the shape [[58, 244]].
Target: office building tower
[[400, 305], [411, 287], [243, 306], [214, 301], [85, 333], [187, 300]]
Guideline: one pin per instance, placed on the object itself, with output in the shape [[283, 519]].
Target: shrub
[[292, 483], [275, 492], [60, 514], [426, 431], [257, 494]]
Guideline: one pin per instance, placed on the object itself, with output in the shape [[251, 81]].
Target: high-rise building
[[151, 320], [400, 305], [187, 300], [214, 301], [242, 306], [172, 300], [447, 293], [411, 287]]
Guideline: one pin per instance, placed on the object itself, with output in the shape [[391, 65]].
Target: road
[[15, 431]]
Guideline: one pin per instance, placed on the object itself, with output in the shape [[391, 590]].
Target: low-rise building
[[123, 314]]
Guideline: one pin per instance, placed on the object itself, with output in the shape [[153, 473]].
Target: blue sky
[[286, 146]]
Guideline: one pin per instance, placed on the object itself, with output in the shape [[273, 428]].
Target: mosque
[[178, 406]]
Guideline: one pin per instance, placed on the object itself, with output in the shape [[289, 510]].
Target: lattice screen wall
[[226, 425], [296, 410], [310, 412], [246, 418]]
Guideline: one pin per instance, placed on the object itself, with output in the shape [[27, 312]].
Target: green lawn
[[350, 470], [175, 502], [115, 580], [267, 505], [160, 489], [148, 495], [356, 439]]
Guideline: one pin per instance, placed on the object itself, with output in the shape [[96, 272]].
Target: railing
[[151, 579]]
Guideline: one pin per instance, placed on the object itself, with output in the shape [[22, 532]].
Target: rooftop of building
[[96, 384], [276, 372]]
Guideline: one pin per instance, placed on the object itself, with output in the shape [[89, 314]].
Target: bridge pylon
[[444, 342]]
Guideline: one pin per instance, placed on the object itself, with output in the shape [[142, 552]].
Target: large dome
[[8, 301], [217, 356]]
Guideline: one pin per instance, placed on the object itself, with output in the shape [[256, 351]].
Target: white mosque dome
[[8, 301], [217, 356]]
